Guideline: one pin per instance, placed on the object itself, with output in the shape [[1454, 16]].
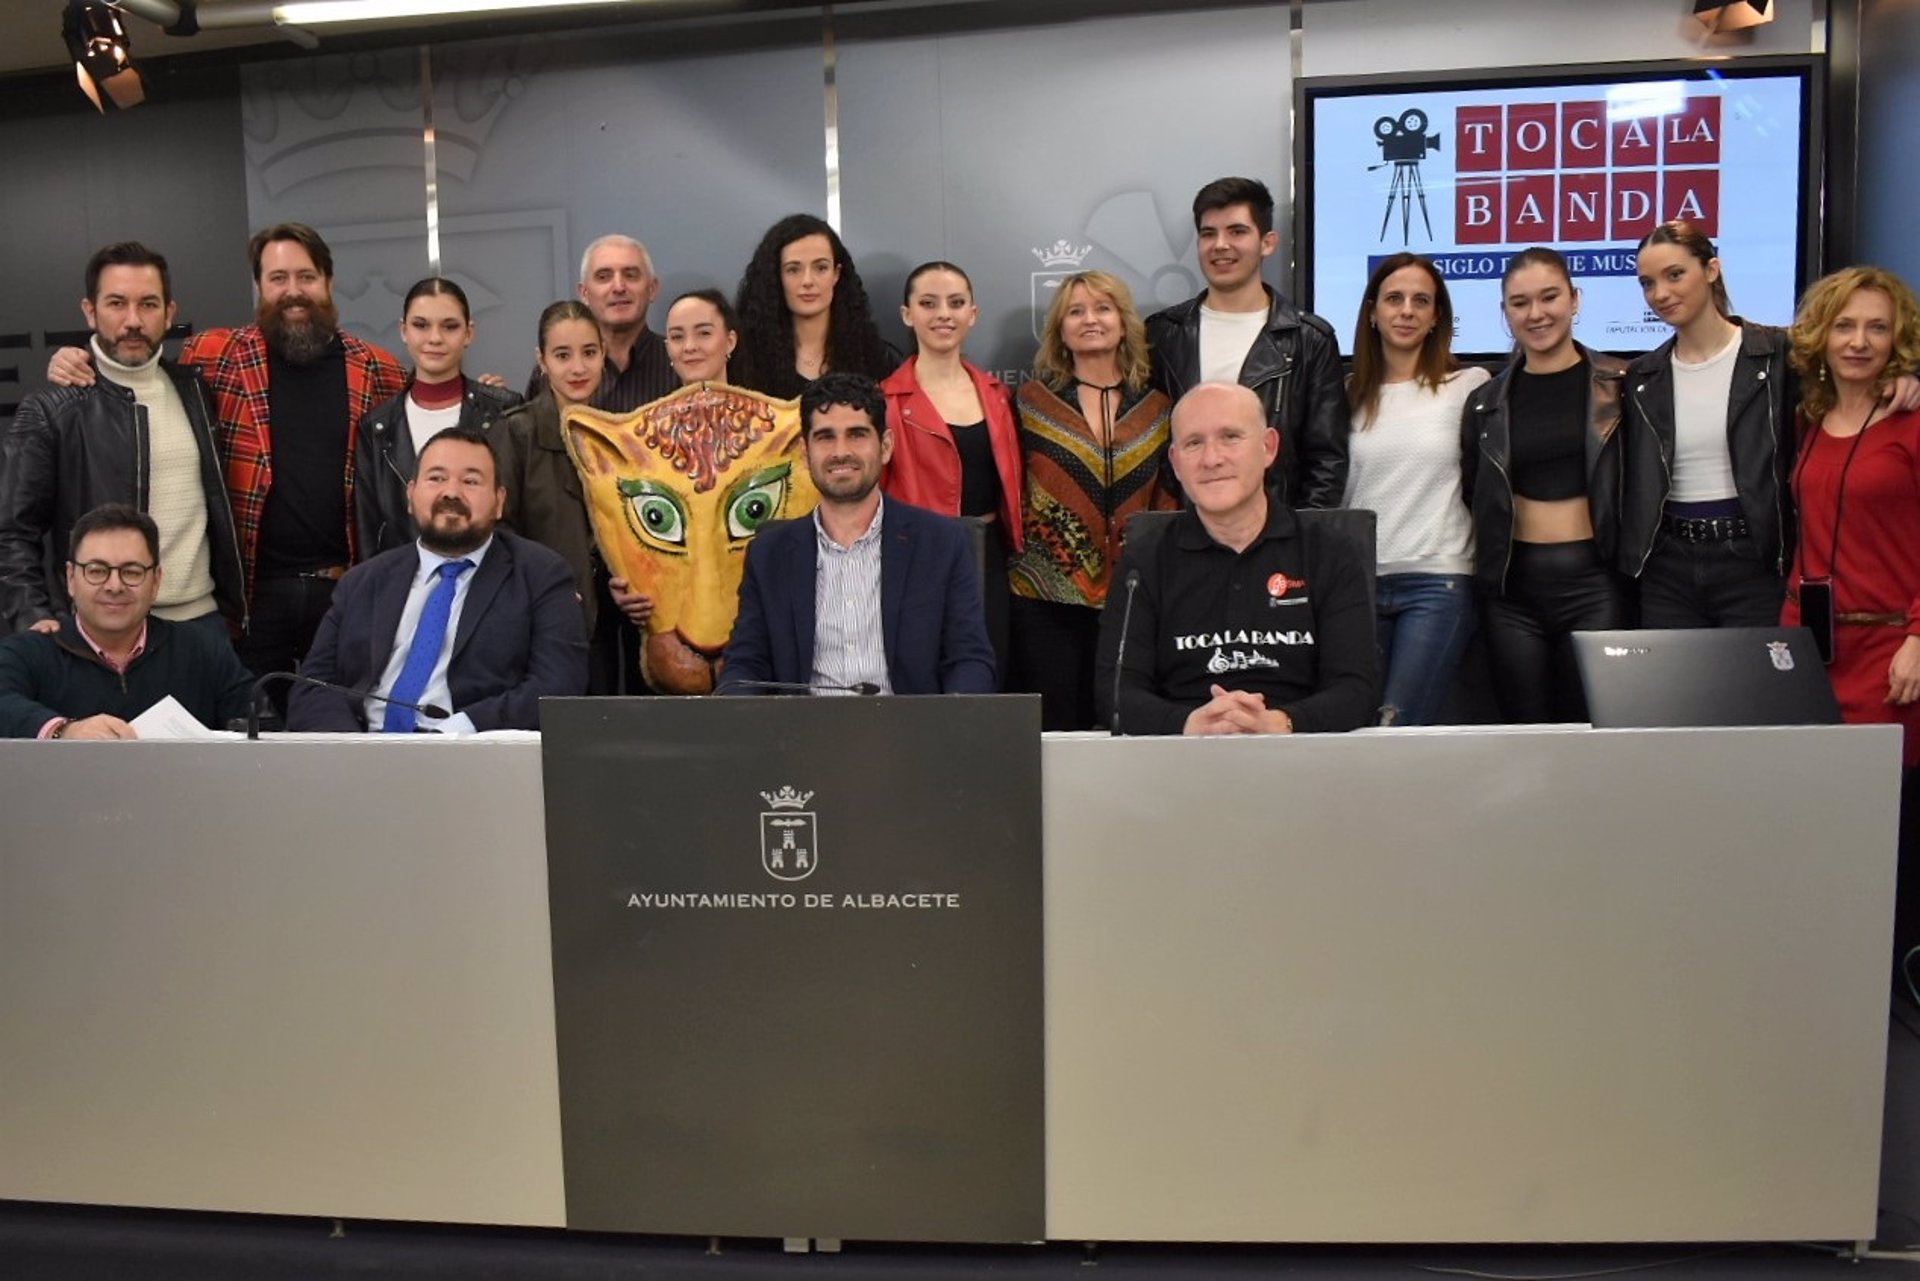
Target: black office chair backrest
[[977, 540]]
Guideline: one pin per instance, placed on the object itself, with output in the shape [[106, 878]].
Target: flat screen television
[[1469, 169]]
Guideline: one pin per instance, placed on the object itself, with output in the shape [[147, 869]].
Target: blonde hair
[[1812, 325], [1053, 363]]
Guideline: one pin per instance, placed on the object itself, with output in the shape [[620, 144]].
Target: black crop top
[[979, 478], [1547, 424]]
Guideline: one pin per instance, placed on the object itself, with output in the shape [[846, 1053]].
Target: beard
[[132, 348], [453, 538], [298, 341], [847, 489]]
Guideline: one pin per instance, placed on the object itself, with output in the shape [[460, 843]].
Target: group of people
[[1163, 550], [1737, 475]]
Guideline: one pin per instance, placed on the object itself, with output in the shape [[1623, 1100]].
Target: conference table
[[1482, 984]]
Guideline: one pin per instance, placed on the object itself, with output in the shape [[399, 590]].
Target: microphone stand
[[431, 711]]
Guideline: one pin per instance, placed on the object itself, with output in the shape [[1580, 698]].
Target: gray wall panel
[[696, 155], [985, 147], [168, 174], [1365, 37], [336, 141], [1889, 124]]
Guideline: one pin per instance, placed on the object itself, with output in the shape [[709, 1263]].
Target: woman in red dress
[[1857, 487]]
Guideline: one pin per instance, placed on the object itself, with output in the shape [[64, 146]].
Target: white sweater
[[1405, 467], [176, 495]]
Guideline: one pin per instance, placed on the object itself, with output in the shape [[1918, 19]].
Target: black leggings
[[1553, 589]]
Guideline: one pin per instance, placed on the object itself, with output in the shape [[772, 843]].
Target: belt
[[1858, 618], [333, 573], [1716, 529]]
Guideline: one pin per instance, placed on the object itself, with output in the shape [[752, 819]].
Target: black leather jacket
[[383, 464], [1294, 367], [71, 449], [1486, 437], [1759, 439]]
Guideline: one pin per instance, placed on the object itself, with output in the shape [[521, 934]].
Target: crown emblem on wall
[[317, 117], [1062, 254], [786, 798]]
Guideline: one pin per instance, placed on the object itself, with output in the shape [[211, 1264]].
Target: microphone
[[865, 688], [1120, 657], [429, 710]]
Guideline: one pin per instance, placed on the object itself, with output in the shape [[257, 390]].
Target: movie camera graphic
[[1404, 142]]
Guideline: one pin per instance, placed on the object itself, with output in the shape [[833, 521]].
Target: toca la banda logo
[[1576, 172], [789, 835]]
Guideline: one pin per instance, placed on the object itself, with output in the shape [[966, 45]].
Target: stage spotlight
[[102, 55], [1718, 15]]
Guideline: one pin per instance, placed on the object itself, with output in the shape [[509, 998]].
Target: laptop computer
[[1704, 676]]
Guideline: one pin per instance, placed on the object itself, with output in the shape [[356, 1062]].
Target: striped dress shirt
[[849, 644]]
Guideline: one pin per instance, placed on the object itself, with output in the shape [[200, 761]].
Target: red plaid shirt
[[234, 364]]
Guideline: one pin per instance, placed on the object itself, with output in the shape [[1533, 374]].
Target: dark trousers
[[996, 600], [1053, 647], [1553, 590], [213, 624], [286, 612], [1717, 584]]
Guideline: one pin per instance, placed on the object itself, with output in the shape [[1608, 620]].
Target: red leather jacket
[[925, 467]]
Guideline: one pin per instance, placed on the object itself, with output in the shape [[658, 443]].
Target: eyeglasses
[[98, 571]]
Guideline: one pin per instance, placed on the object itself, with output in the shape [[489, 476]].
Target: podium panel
[[797, 965], [1511, 985]]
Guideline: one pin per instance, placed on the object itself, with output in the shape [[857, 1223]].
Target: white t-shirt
[[1405, 468], [1702, 465], [1225, 339], [424, 424]]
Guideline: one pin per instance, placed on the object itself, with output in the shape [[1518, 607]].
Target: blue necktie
[[429, 634]]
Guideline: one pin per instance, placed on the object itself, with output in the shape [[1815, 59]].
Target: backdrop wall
[[1018, 140]]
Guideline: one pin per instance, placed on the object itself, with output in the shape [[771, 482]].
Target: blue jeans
[[1425, 621]]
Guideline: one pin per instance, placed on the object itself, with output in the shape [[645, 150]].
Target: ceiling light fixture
[[1718, 15], [102, 55], [313, 13]]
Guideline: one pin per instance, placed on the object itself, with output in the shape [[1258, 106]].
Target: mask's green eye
[[656, 511], [757, 500]]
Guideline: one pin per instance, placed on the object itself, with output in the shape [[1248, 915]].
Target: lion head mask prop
[[675, 491]]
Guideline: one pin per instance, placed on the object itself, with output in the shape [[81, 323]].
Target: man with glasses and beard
[[142, 435], [288, 393], [472, 621], [110, 660]]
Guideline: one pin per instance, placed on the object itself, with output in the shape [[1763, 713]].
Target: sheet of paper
[[167, 719]]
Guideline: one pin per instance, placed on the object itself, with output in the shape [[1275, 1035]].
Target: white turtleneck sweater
[[176, 497]]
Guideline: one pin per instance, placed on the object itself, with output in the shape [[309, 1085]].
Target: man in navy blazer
[[470, 619], [866, 594]]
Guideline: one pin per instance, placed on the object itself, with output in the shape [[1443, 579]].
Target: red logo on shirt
[[1279, 585]]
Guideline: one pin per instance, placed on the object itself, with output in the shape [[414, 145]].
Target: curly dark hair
[[764, 360], [837, 387]]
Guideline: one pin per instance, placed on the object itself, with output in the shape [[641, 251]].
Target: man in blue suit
[[866, 595], [470, 620]]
